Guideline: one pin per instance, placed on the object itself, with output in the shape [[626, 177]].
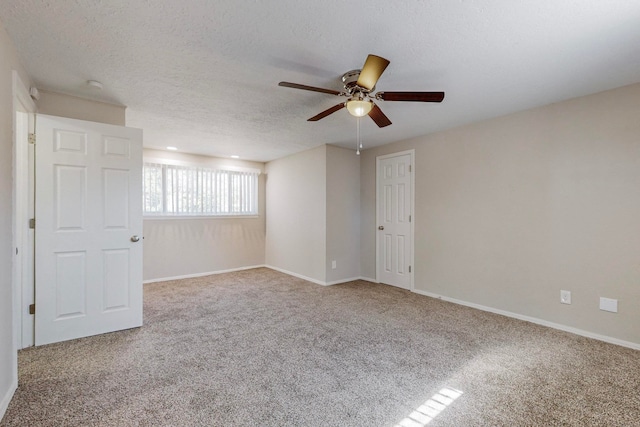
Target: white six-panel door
[[88, 219], [394, 203]]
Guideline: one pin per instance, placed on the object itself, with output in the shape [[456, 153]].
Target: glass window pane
[[188, 190]]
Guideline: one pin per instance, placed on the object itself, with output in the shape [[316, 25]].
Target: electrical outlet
[[334, 264], [608, 304], [565, 297]]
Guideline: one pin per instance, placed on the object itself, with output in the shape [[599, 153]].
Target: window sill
[[183, 217]]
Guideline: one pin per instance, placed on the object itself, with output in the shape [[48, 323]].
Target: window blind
[[189, 190]]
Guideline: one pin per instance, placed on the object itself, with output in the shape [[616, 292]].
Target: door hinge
[[32, 138], [32, 223], [409, 218], [32, 309], [409, 269], [409, 168]]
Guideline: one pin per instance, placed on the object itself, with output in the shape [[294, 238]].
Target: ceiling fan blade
[[325, 113], [311, 88], [373, 68], [411, 96], [378, 116]]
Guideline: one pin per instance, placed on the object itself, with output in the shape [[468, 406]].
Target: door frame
[[412, 155], [22, 103]]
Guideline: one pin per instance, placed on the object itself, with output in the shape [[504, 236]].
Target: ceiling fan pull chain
[[358, 141]]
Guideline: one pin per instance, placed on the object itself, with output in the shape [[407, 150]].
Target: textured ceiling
[[203, 75]]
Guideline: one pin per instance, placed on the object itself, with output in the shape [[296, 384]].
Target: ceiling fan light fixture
[[359, 107]]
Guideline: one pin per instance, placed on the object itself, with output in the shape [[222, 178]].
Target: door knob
[[381, 227], [135, 239]]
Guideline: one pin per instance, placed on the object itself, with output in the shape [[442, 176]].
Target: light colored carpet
[[259, 348]]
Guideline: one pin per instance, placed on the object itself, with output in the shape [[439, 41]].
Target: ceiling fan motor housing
[[350, 79]]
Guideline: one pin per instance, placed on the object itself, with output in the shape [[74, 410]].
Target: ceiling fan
[[358, 87]]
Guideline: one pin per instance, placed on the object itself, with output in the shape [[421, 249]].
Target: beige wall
[[57, 104], [9, 61], [313, 214], [182, 247], [512, 210], [343, 214], [296, 214]]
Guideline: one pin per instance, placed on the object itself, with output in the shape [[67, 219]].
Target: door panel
[[116, 286], [88, 205], [116, 198], [70, 191], [70, 284], [68, 141], [394, 225]]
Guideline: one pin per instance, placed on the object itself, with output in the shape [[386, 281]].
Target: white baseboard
[[290, 273], [610, 340], [368, 279], [6, 399], [337, 282], [299, 276], [312, 280], [209, 273]]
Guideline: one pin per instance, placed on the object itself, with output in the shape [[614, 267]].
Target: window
[[198, 191]]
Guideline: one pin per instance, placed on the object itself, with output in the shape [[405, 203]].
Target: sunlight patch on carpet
[[430, 409]]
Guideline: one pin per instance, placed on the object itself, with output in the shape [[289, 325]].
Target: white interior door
[[88, 218], [394, 211]]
